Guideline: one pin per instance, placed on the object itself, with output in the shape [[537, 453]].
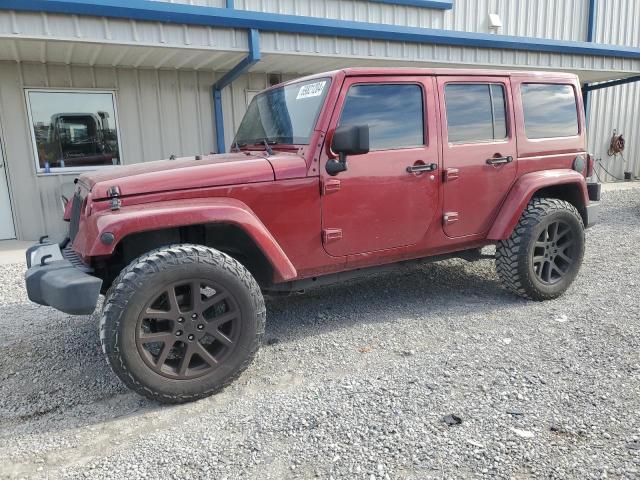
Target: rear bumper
[[54, 281], [592, 213]]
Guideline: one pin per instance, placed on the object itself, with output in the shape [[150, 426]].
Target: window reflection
[[475, 112], [394, 114], [285, 114], [74, 129], [549, 110]]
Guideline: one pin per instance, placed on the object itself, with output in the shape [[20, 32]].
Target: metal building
[[150, 79]]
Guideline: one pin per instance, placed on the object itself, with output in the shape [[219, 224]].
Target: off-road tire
[[135, 284], [514, 256]]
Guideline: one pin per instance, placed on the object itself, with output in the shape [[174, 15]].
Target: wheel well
[[226, 238], [569, 192]]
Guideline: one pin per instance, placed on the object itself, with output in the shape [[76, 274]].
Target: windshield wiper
[[237, 146], [267, 147]]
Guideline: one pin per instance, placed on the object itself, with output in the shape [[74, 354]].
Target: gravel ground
[[355, 380]]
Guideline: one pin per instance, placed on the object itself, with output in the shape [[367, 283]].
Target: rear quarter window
[[550, 110]]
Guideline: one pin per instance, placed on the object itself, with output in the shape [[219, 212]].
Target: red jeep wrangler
[[329, 177]]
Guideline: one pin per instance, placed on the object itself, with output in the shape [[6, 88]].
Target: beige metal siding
[[82, 40], [616, 108], [558, 19], [618, 22], [38, 37], [315, 54], [160, 113]]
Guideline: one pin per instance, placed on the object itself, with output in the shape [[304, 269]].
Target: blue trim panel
[[242, 67], [591, 32], [218, 120], [591, 21], [436, 4], [230, 4], [231, 18], [614, 83], [585, 102]]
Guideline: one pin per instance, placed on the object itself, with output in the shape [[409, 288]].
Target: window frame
[[423, 93], [34, 144], [524, 117], [507, 116]]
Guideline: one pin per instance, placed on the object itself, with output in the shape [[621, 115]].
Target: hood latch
[[113, 193]]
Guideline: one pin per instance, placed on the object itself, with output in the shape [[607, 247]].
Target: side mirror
[[347, 140]]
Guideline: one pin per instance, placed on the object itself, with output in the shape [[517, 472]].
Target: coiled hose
[[616, 147]]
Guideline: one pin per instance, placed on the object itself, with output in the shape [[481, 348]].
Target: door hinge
[[450, 174], [330, 186], [451, 218], [331, 235]]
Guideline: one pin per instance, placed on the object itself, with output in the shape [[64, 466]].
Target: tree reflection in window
[[475, 112], [549, 110], [393, 112]]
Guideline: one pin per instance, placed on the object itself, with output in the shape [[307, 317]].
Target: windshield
[[283, 115]]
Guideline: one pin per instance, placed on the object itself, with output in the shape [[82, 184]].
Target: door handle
[[421, 167], [499, 160]]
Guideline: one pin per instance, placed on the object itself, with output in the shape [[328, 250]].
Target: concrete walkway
[[12, 251]]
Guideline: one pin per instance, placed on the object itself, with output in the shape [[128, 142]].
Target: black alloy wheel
[[554, 252], [188, 329], [182, 322], [543, 255]]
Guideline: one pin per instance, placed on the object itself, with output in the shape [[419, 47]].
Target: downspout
[[591, 36], [239, 69]]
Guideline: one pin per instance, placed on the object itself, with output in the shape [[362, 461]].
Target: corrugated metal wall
[[616, 108], [558, 19], [168, 111], [160, 113], [33, 37]]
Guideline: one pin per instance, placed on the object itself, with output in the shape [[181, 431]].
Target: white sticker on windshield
[[311, 90]]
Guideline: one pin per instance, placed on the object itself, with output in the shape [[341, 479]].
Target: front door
[[479, 151], [377, 203], [7, 230]]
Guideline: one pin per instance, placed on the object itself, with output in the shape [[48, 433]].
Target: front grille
[[76, 209]]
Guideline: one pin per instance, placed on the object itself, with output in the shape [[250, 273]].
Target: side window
[[549, 110], [476, 112], [394, 113]]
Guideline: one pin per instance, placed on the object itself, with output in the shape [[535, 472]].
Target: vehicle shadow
[[424, 290], [53, 374]]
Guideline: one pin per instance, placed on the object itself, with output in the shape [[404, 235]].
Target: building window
[[394, 113], [73, 130], [476, 112], [549, 110]]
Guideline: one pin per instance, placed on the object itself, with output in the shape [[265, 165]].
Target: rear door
[[377, 204], [479, 151]]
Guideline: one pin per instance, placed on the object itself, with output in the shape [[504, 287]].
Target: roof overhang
[[160, 11], [97, 46]]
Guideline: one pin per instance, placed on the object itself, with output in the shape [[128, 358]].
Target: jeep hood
[[187, 173]]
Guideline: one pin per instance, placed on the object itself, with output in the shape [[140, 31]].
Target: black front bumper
[[59, 282]]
